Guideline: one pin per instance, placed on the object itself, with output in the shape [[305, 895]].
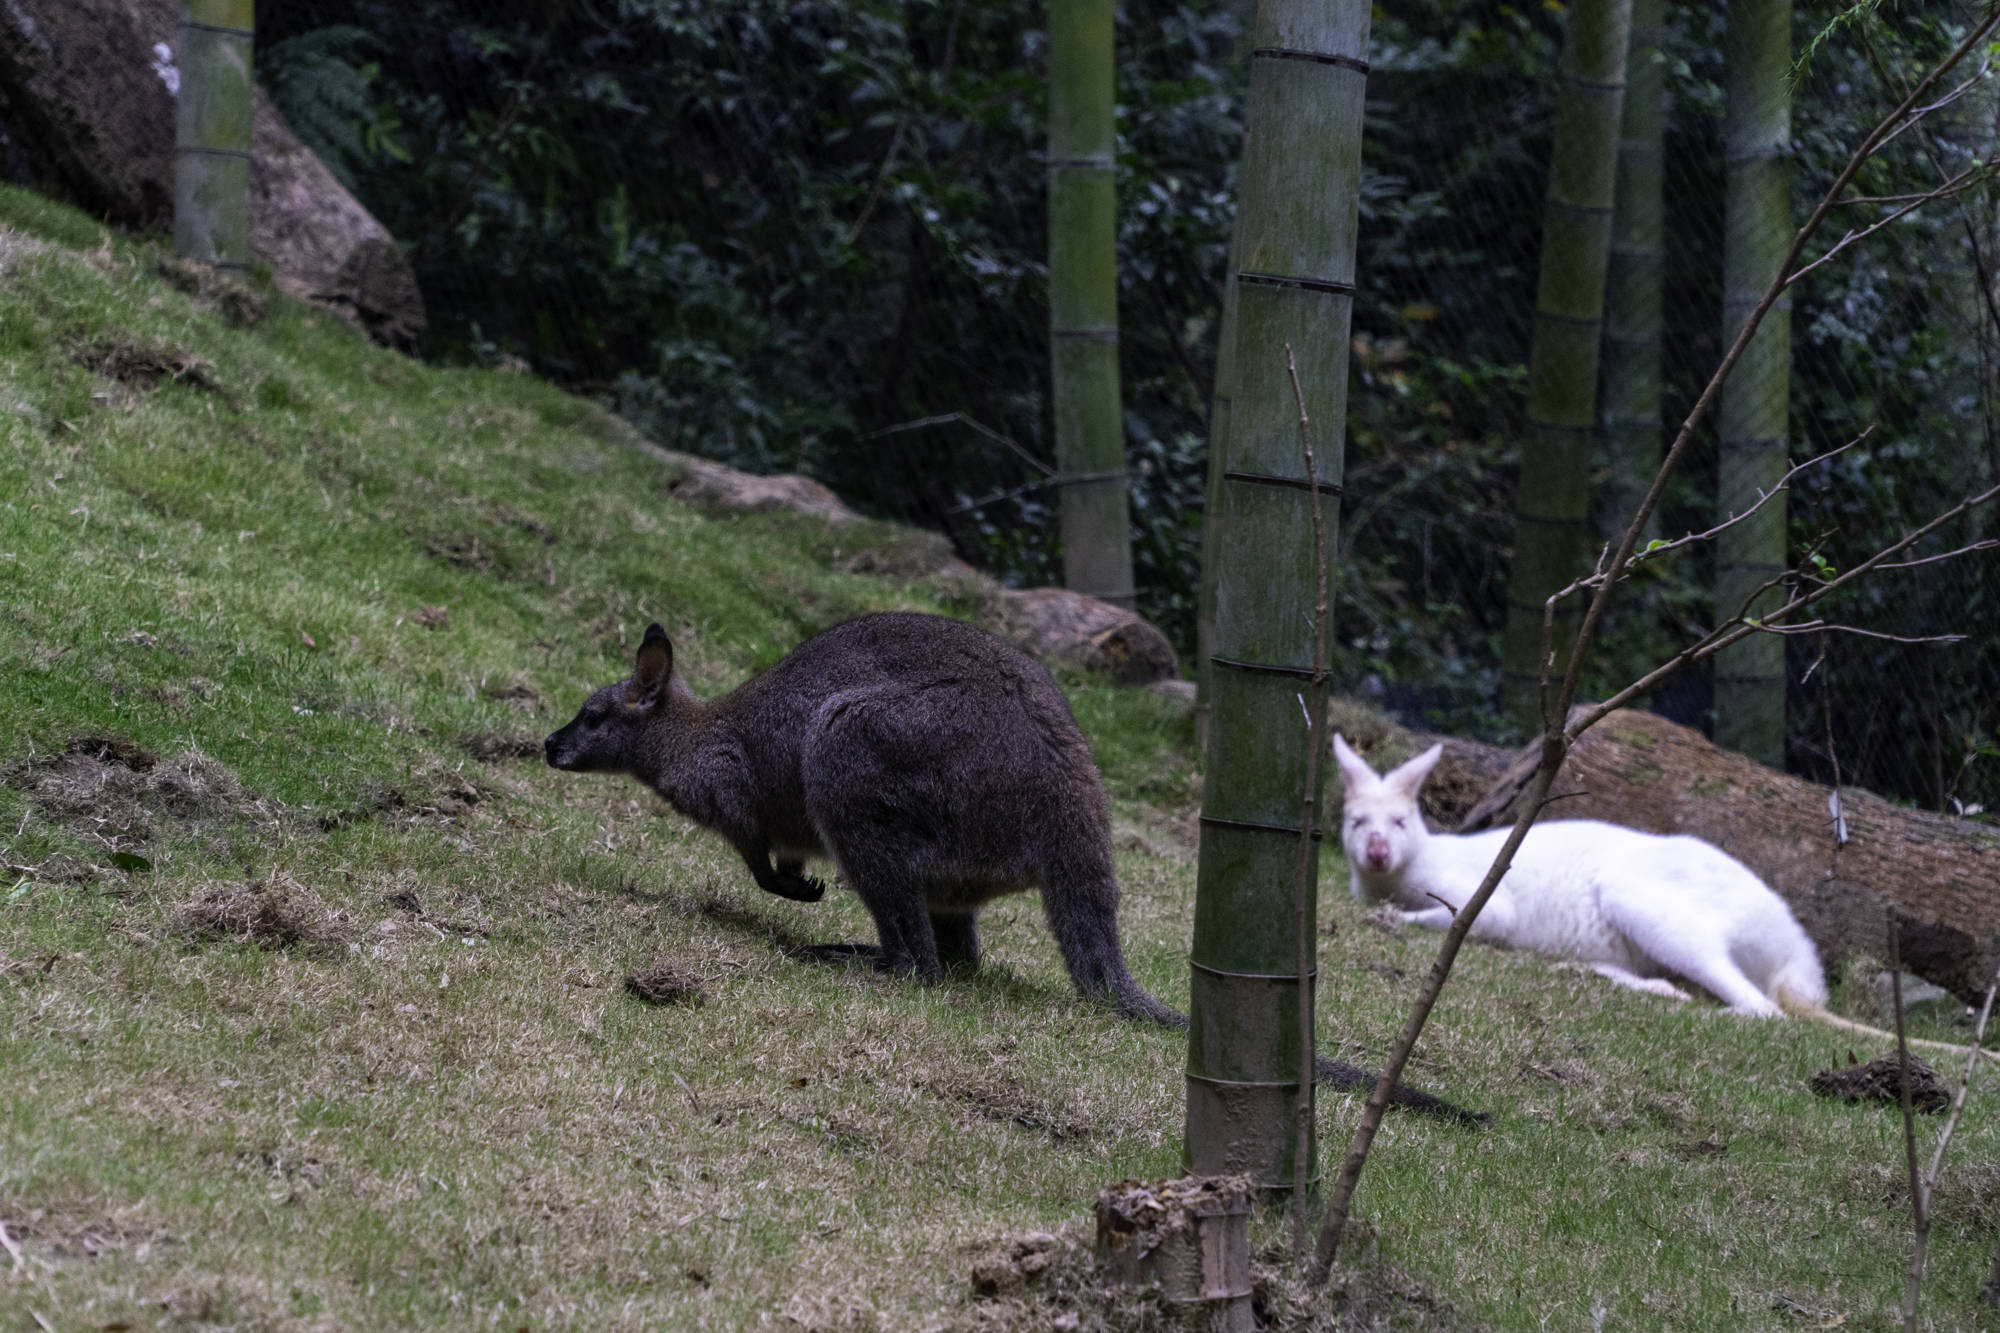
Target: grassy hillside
[[311, 1003]]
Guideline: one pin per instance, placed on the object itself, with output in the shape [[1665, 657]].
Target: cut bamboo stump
[[1191, 1237]]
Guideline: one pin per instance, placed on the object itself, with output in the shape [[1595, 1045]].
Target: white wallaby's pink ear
[[1353, 767], [1408, 777]]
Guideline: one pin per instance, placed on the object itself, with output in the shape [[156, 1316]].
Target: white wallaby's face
[[1381, 827]]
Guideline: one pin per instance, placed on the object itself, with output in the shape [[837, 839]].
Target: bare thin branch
[[976, 427], [1964, 1084], [1920, 1212], [1302, 922], [1723, 636], [1660, 551], [1985, 545], [1964, 180], [1819, 626]]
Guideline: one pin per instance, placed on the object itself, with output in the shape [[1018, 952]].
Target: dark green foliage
[[765, 232], [769, 231], [324, 96]]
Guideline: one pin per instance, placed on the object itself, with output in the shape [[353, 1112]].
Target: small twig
[[1828, 626], [1662, 549], [1010, 493], [1302, 923], [1953, 186], [1920, 1212], [693, 1100], [881, 178], [976, 427], [1985, 544], [1964, 1087]]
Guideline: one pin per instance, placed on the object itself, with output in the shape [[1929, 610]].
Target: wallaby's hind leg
[[1696, 952], [957, 936], [882, 872], [1657, 985]]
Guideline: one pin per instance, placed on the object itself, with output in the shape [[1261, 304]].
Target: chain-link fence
[[811, 235]]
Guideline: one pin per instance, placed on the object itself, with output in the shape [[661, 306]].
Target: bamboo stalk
[[212, 133], [1083, 302], [1754, 413], [1632, 310], [1553, 541], [1294, 285]]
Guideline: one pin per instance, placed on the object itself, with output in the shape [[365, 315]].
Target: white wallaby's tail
[[1803, 1008]]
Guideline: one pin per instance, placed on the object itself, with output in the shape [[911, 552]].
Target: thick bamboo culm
[[1294, 284], [212, 133], [1218, 452], [1754, 415], [1553, 540], [1083, 302], [1632, 311]]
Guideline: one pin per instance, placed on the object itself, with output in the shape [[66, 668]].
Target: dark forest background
[[810, 235]]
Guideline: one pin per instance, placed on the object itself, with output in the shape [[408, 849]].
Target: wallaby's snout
[[1376, 853], [566, 749]]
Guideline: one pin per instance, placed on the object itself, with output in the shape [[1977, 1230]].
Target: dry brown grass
[[274, 913]]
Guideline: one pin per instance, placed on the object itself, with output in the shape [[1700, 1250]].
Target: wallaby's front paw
[[1385, 917], [799, 888]]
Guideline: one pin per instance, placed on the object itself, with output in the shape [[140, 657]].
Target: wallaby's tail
[[1082, 908], [1794, 1004]]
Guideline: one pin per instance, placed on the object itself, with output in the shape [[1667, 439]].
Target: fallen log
[[1936, 876]]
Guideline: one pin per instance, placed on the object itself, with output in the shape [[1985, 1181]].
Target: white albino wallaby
[[1643, 909]]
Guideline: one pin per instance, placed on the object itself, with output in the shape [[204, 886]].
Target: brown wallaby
[[937, 766]]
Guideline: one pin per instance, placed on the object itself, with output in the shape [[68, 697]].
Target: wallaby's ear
[[1408, 777], [1353, 767], [656, 663]]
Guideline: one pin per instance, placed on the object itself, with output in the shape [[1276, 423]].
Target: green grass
[[440, 1109]]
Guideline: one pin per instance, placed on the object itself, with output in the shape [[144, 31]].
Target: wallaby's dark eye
[[1398, 821]]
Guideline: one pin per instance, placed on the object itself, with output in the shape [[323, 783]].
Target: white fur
[[1642, 909]]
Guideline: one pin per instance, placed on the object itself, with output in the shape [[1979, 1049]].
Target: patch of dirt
[[1005, 1103], [518, 693], [444, 796], [28, 971], [61, 1234], [462, 550], [1566, 1072], [1014, 1265], [1880, 1080], [1041, 1281], [665, 984], [277, 913], [111, 787], [493, 747], [241, 305], [1694, 1151], [146, 363], [431, 617]]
